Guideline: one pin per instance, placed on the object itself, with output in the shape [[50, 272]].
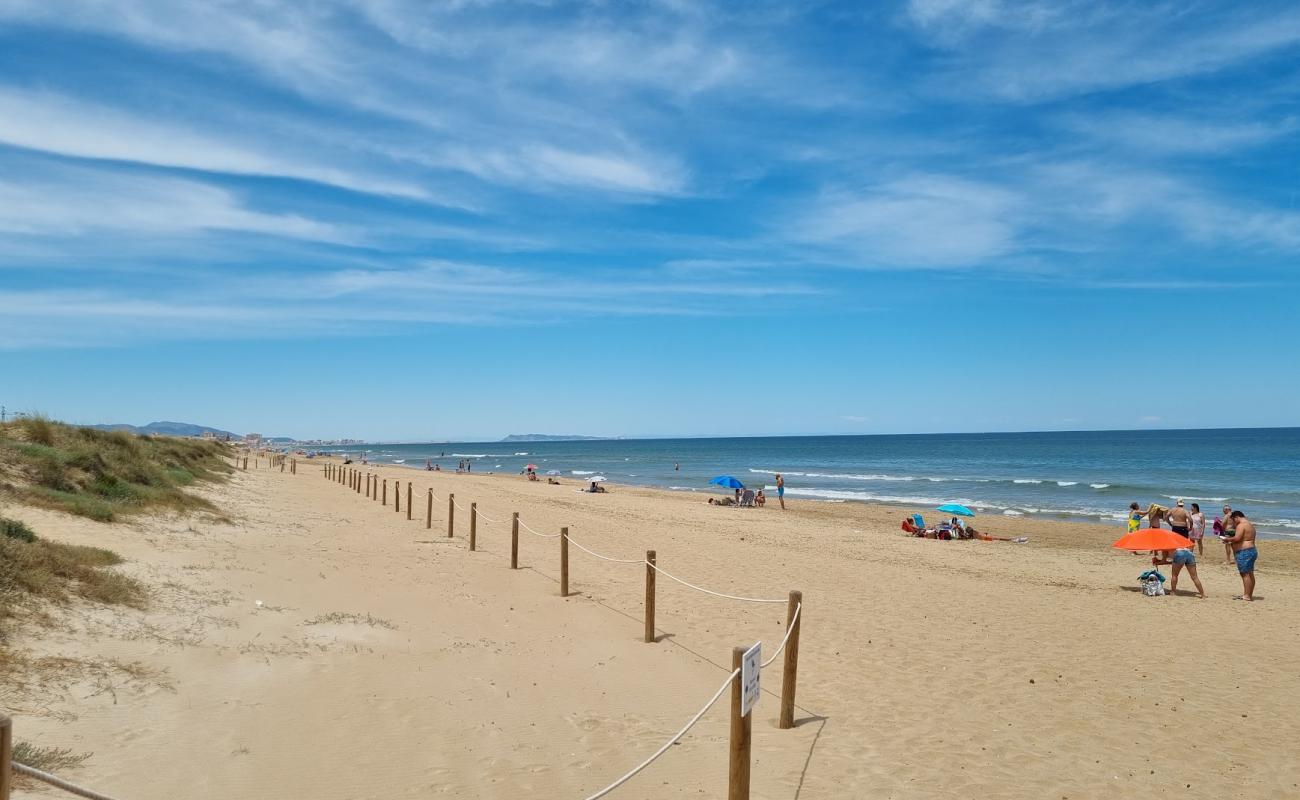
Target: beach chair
[[918, 521], [747, 498]]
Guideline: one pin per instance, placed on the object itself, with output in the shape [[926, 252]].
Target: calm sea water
[[1090, 475]]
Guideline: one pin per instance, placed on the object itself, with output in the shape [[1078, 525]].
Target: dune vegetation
[[103, 475]]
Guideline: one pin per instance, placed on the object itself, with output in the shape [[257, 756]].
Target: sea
[[1082, 475]]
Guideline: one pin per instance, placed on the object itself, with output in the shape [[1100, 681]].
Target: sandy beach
[[386, 660]]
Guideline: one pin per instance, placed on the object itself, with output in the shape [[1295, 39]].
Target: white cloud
[[71, 202], [918, 221], [1170, 134], [56, 124], [1035, 51]]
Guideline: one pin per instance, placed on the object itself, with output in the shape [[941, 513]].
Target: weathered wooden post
[[564, 562], [428, 512], [790, 671], [408, 500], [514, 540], [6, 755], [473, 525], [385, 491], [741, 730], [451, 515], [649, 596], [357, 482], [397, 496]]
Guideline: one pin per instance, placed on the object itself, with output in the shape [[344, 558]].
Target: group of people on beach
[[953, 529], [1235, 531]]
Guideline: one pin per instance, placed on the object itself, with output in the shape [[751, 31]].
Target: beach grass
[[34, 570], [103, 475]]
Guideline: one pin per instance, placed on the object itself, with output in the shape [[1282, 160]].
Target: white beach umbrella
[[597, 479]]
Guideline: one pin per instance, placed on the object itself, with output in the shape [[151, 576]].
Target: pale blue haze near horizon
[[384, 219]]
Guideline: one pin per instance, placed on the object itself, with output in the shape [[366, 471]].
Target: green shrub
[[16, 530]]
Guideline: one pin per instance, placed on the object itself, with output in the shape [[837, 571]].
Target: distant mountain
[[548, 437], [167, 429]]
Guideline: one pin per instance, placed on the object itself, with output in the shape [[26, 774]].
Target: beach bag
[[1153, 583]]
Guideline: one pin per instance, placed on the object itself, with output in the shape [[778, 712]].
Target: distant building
[[253, 439], [209, 435]]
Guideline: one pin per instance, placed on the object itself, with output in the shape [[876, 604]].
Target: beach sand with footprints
[[324, 646]]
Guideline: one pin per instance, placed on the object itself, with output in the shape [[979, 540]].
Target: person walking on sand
[[1198, 529], [1243, 546], [1182, 558], [780, 490]]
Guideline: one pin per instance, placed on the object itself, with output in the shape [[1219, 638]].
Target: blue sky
[[392, 219]]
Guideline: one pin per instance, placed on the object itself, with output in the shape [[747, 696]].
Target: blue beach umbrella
[[956, 508], [728, 482]]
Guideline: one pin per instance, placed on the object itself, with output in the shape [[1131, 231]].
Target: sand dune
[[388, 661]]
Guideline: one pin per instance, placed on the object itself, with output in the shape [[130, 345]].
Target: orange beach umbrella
[[1152, 539]]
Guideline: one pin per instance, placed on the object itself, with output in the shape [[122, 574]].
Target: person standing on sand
[[1243, 546], [1198, 529], [1134, 517], [1229, 528], [1179, 520], [780, 490]]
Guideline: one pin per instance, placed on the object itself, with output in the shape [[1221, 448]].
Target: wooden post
[[451, 515], [245, 463], [357, 482], [564, 562], [397, 495], [428, 512], [385, 491], [649, 596], [408, 500], [6, 755], [514, 540], [790, 670], [741, 728], [293, 467], [473, 525], [374, 493]]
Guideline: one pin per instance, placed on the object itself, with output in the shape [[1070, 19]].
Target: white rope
[[487, 518], [666, 574], [526, 527], [574, 542], [670, 742], [54, 780], [788, 629]]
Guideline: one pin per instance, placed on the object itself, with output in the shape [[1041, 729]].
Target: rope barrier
[[671, 576], [734, 674], [788, 629], [526, 527], [54, 780], [574, 542]]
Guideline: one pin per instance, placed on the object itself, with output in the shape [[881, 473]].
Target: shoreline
[[1117, 526]]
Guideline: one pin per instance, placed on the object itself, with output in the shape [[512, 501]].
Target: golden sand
[[387, 661]]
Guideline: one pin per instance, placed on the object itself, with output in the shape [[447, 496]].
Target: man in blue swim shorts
[[1243, 548]]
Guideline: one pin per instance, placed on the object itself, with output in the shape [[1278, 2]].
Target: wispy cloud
[[56, 124], [917, 221], [69, 202], [1034, 51]]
